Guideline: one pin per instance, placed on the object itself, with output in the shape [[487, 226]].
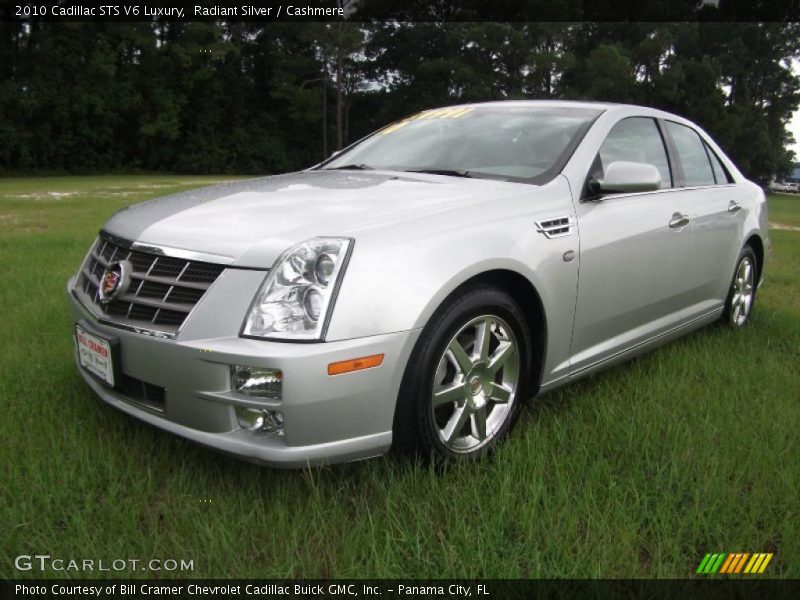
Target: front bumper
[[326, 419]]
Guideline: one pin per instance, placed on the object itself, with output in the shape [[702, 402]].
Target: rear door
[[716, 207], [635, 252]]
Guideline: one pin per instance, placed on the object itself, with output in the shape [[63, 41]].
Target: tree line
[[234, 97]]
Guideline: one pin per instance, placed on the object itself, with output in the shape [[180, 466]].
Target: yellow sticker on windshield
[[394, 126], [443, 113], [438, 113]]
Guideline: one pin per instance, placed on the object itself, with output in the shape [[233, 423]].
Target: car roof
[[605, 106], [546, 103]]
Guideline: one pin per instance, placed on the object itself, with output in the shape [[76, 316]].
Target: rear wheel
[[742, 294], [462, 388]]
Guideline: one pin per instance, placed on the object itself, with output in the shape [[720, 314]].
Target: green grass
[[636, 472], [785, 209]]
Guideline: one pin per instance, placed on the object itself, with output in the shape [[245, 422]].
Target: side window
[[720, 173], [691, 154], [635, 139]]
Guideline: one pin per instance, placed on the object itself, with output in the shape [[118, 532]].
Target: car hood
[[252, 221]]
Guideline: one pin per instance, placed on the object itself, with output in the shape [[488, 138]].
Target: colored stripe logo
[[734, 562]]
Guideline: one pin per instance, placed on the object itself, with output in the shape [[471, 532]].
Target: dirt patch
[[156, 186], [782, 227], [44, 195]]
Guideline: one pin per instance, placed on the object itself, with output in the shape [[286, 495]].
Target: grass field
[[637, 472], [785, 209]]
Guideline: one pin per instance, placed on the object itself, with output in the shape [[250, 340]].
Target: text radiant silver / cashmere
[[413, 290]]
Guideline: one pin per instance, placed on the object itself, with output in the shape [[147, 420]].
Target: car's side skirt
[[636, 350]]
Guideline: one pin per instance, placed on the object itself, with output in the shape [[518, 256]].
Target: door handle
[[678, 220], [734, 207]]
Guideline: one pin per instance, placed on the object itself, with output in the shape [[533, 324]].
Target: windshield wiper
[[353, 167], [451, 172]]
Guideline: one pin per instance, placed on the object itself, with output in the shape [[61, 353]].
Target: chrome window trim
[[661, 191], [711, 185]]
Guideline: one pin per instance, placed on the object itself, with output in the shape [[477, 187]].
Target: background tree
[[341, 46], [260, 98]]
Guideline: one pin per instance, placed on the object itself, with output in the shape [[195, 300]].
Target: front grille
[[162, 291], [141, 392]]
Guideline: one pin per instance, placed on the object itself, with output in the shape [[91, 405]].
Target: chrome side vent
[[554, 228]]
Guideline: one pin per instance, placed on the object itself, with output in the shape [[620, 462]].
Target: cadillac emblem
[[115, 281]]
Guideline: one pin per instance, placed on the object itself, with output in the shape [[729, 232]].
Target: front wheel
[[742, 294], [462, 387]]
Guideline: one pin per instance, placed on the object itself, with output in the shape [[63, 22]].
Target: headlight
[[295, 299]]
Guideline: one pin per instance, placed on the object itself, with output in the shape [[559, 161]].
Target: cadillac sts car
[[414, 289]]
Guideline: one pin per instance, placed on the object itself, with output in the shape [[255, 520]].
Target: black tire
[[733, 316], [415, 428]]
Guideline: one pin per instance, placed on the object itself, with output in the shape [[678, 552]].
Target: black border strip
[[409, 11], [706, 587]]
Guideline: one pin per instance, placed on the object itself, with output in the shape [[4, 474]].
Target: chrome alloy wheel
[[743, 290], [475, 384]]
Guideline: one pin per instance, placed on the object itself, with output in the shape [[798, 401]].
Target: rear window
[[720, 172], [692, 155]]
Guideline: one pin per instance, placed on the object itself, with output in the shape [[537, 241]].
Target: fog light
[[256, 419], [256, 381]]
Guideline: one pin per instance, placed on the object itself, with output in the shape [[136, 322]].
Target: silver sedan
[[413, 290]]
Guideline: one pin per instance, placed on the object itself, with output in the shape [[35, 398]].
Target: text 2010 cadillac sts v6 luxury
[[417, 287]]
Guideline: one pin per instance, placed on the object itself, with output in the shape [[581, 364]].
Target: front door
[[635, 254]]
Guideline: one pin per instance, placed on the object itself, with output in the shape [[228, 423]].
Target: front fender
[[395, 281]]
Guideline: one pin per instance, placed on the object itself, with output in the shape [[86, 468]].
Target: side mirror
[[623, 177]]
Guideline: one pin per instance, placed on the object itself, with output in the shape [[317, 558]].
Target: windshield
[[529, 143]]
